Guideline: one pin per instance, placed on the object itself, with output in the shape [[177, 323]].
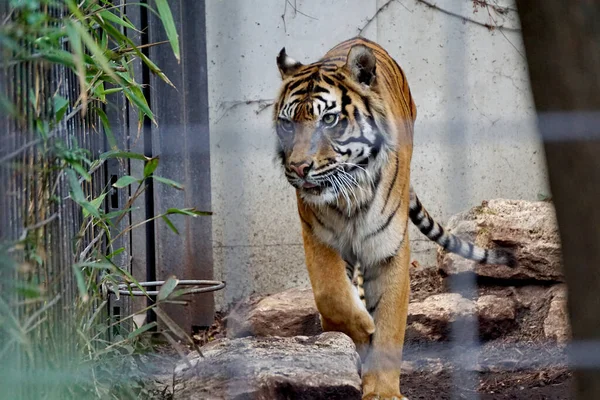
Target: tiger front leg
[[387, 290], [337, 300]]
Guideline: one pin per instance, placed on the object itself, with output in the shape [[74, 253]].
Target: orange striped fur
[[345, 132]]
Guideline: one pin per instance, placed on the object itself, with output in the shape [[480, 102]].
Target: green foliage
[[57, 350]]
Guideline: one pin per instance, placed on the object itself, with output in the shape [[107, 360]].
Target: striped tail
[[434, 231]]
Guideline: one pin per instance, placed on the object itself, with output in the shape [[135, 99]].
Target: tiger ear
[[361, 64], [287, 65]]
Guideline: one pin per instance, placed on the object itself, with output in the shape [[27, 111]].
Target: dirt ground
[[517, 365], [534, 385]]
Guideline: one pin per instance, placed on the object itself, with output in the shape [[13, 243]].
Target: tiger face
[[331, 141]]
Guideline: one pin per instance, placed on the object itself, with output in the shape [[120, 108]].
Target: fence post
[[562, 41], [181, 140]]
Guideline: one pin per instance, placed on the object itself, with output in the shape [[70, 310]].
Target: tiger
[[344, 126]]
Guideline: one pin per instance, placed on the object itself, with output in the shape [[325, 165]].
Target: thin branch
[[467, 19], [379, 10], [300, 12], [26, 146], [87, 249], [38, 225], [511, 43], [263, 104], [142, 46], [497, 7], [283, 16]]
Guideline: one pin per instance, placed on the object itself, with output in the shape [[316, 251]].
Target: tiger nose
[[302, 169]]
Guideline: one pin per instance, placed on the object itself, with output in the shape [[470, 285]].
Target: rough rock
[[529, 228], [496, 315], [289, 313], [556, 323], [318, 367], [431, 318]]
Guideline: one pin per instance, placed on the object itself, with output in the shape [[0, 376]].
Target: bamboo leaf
[[94, 203], [78, 57], [123, 154], [169, 24], [142, 329], [76, 192], [170, 224], [192, 212], [117, 213], [89, 209], [92, 46], [136, 96], [169, 182], [124, 181], [150, 167], [60, 107], [109, 16], [81, 283], [112, 142], [167, 288], [172, 325], [82, 171]]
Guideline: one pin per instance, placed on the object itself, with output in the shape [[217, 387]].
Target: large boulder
[[556, 323], [431, 319], [529, 228], [318, 367], [289, 313], [496, 315]]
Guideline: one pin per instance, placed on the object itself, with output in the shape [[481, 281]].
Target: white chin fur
[[327, 196]]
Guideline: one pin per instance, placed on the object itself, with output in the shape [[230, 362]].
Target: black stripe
[[367, 206], [370, 274], [413, 213], [319, 89], [294, 85], [356, 115], [299, 92], [471, 249], [343, 125], [387, 197], [320, 98], [485, 257], [345, 99], [373, 307], [386, 224], [376, 147], [328, 80], [305, 73], [427, 229], [349, 271], [360, 139], [321, 223], [438, 235], [334, 208], [305, 222], [454, 244]]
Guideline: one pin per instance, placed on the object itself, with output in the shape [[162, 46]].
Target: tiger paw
[[375, 396]]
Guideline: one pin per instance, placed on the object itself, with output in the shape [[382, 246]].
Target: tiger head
[[330, 123]]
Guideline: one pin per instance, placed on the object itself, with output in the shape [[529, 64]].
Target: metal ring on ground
[[213, 286]]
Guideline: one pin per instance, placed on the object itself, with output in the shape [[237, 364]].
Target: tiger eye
[[287, 125], [330, 120]]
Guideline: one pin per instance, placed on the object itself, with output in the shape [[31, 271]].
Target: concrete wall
[[475, 136]]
